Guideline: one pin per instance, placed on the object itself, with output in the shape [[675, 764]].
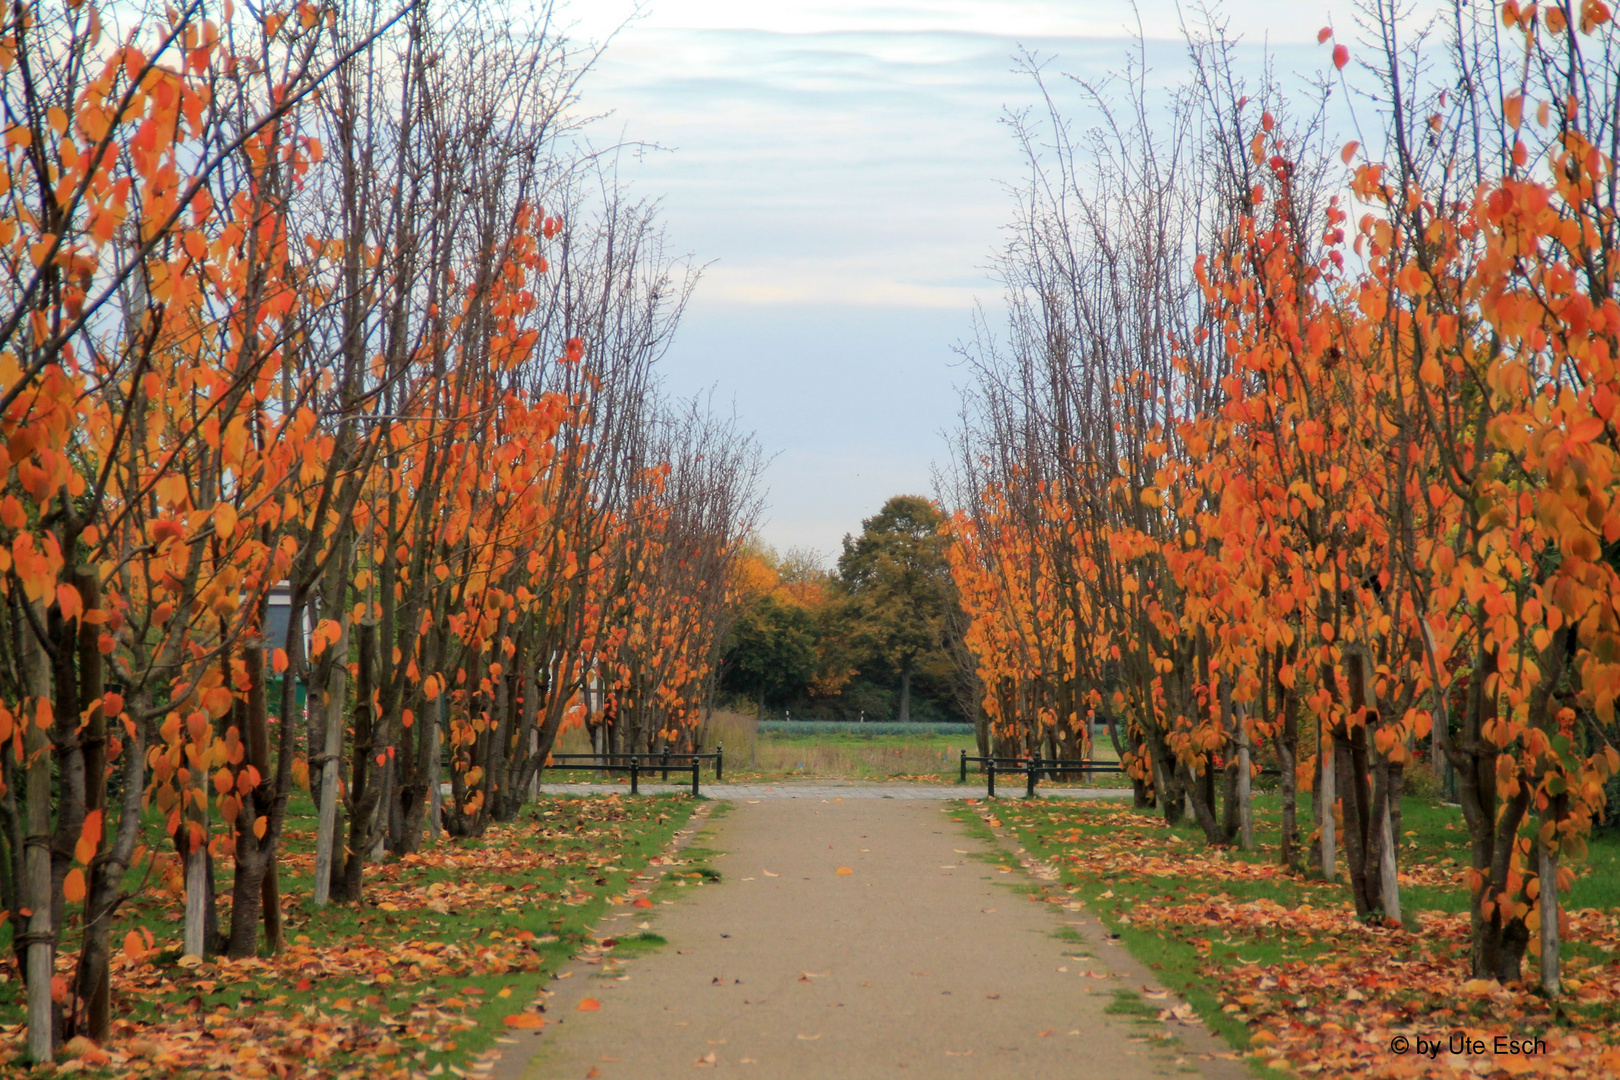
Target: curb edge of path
[[1206, 1051], [518, 1055]]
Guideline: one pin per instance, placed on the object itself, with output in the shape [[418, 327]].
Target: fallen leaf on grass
[[641, 902], [588, 1005], [525, 1021]]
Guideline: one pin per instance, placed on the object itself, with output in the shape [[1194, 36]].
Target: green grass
[[504, 928], [1191, 963]]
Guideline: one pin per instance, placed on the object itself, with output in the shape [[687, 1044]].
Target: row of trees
[[318, 313], [1311, 451]]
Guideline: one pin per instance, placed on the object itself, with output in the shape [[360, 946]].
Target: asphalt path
[[853, 937]]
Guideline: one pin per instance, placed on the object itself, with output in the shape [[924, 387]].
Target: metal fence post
[[719, 760], [1029, 769], [963, 779], [635, 775], [696, 764], [990, 778], [666, 763]]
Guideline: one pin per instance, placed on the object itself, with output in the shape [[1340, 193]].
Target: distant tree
[[772, 657], [898, 586]]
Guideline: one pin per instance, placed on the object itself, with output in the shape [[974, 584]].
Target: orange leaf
[[641, 901], [526, 1021], [844, 871], [73, 886], [1341, 56], [1323, 34], [1349, 151], [589, 1005]]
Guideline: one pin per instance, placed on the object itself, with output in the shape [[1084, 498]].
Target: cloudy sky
[[839, 167]]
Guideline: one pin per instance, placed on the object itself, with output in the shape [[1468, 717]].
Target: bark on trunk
[[1552, 983], [1328, 797], [94, 990], [35, 891], [337, 685]]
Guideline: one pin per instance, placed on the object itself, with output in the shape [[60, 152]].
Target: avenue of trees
[[1307, 454], [324, 313]]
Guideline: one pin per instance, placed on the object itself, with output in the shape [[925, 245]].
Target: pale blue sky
[[840, 166]]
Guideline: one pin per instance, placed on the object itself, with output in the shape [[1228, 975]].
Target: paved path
[[1006, 787], [856, 938]]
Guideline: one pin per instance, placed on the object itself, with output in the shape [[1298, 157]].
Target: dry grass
[[751, 756]]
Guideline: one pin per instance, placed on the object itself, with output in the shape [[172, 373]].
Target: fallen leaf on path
[[589, 1005], [525, 1021], [767, 873], [811, 1038], [705, 1061], [844, 871], [642, 902], [593, 1073], [1043, 1034]]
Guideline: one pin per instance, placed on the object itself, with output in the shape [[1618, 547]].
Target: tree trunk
[[364, 776], [106, 884], [35, 890], [337, 685], [435, 802], [255, 891], [905, 692], [1327, 797], [95, 973], [1552, 983], [1245, 791]]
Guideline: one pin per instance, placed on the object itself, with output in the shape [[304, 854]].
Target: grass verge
[[449, 950], [1278, 964]]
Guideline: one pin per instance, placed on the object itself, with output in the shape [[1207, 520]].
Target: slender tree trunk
[[1288, 765], [95, 973], [365, 775], [1325, 803], [35, 891], [1245, 786], [1552, 982], [337, 686], [905, 692], [435, 805], [106, 884]]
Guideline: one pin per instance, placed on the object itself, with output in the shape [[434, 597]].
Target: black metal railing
[[637, 764], [1032, 768]]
